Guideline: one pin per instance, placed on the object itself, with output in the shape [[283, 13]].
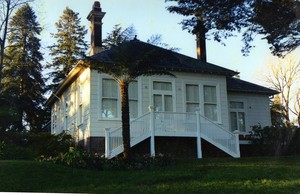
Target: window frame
[[80, 110], [210, 102], [67, 108], [192, 102], [237, 111], [130, 99], [54, 118], [101, 77], [163, 92], [201, 86]]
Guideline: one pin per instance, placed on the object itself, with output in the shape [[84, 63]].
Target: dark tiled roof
[[237, 85], [166, 59]]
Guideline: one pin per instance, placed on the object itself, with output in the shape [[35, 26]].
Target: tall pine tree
[[69, 47], [23, 83]]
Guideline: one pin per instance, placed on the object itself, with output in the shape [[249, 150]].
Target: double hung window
[[109, 98], [80, 107], [192, 98], [237, 116], [133, 99], [210, 102], [163, 96], [110, 103], [203, 98]]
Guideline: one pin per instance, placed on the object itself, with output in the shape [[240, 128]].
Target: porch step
[[220, 146], [133, 142], [178, 124]]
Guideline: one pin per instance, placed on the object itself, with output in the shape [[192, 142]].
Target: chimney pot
[[96, 4]]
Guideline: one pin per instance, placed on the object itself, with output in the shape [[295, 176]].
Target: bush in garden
[[77, 157], [53, 145], [2, 149], [34, 144], [138, 162], [294, 147], [15, 152], [271, 140]]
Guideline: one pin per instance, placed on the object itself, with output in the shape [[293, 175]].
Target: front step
[[133, 142], [182, 125], [178, 147]]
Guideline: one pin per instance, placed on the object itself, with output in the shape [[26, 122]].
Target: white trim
[[244, 110], [201, 85], [118, 118], [101, 97], [99, 94], [140, 96], [161, 92]]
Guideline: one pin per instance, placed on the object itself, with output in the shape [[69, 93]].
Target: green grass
[[246, 175]]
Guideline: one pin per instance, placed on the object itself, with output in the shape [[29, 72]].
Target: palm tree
[[124, 63]]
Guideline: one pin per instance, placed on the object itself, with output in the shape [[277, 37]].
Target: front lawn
[[219, 175]]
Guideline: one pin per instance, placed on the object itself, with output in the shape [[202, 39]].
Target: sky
[[151, 17]]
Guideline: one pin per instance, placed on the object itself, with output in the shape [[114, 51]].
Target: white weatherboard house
[[203, 102]]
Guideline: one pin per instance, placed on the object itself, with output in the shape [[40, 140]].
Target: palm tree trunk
[[125, 119]]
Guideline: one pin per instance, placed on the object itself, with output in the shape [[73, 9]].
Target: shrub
[[35, 144], [77, 158], [15, 152], [52, 145], [271, 140], [294, 147], [138, 162], [2, 148]]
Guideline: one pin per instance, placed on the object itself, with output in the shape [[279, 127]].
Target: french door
[[163, 102]]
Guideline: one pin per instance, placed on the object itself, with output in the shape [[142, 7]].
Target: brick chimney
[[95, 17]]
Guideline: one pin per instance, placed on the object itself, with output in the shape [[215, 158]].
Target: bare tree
[[296, 109], [283, 76], [7, 7]]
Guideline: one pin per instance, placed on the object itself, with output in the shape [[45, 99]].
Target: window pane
[[80, 94], [80, 114], [192, 107], [168, 103], [109, 88], [162, 86], [241, 121], [192, 93], [133, 108], [233, 121], [158, 102], [236, 105], [133, 90], [210, 94], [210, 111], [109, 108]]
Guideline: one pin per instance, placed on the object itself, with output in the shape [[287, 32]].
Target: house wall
[[257, 109], [65, 111], [145, 97]]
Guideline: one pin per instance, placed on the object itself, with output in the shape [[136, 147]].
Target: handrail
[[114, 140], [173, 124], [133, 120], [214, 123]]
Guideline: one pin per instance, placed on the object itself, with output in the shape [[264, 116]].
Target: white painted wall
[[146, 98], [256, 106], [68, 116], [257, 109]]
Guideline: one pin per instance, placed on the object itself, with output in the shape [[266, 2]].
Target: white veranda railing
[[173, 124], [139, 130]]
